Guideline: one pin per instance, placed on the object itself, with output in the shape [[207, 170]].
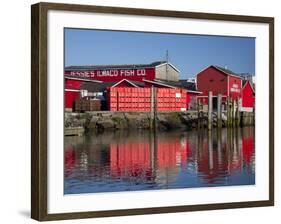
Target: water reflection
[[121, 161]]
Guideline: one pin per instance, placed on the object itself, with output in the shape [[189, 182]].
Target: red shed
[[72, 90], [77, 87], [248, 96], [219, 80]]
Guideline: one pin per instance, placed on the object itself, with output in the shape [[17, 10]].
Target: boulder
[[105, 124], [93, 122], [170, 121], [137, 120], [120, 121]]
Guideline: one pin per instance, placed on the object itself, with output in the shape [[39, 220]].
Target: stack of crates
[[138, 99], [128, 99], [112, 99], [87, 104], [171, 99]]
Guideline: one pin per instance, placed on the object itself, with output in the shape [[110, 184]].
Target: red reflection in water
[[172, 152], [140, 157], [211, 163], [248, 149], [129, 159], [69, 159]]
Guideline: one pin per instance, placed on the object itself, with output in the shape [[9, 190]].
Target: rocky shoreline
[[102, 121]]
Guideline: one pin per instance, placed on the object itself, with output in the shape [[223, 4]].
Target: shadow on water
[[140, 160]]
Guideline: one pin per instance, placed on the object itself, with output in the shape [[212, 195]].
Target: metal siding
[[161, 73]]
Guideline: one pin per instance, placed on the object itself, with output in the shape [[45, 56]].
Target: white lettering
[[108, 73], [129, 72], [141, 72]]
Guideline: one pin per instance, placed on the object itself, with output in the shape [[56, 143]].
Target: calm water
[[126, 161]]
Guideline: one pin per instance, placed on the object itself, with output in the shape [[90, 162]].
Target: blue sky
[[189, 53]]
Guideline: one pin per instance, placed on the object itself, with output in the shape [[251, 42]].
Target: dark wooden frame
[[39, 110]]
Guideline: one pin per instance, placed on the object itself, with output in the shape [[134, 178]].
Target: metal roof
[[82, 79], [190, 86], [101, 87], [125, 66], [226, 71]]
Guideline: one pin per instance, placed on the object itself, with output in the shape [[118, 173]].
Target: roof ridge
[[227, 71], [116, 65]]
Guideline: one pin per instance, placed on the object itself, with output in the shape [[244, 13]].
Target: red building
[[248, 96], [72, 90], [76, 88], [114, 73], [94, 81], [219, 80]]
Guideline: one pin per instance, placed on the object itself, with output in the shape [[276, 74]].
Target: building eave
[[168, 63], [194, 91], [216, 67], [126, 80], [159, 83], [81, 79]]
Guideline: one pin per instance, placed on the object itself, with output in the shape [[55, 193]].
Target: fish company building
[[128, 87]]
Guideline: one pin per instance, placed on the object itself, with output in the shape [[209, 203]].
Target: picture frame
[[41, 104]]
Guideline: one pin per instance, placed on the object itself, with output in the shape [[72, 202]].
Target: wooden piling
[[228, 112], [237, 115], [219, 110], [152, 108], [198, 115], [155, 107], [210, 109], [233, 102]]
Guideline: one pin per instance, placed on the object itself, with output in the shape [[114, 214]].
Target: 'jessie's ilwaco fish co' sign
[[114, 74]]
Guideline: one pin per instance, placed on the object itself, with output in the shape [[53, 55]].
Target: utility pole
[[167, 61]]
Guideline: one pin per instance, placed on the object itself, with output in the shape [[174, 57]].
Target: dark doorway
[[215, 103]]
